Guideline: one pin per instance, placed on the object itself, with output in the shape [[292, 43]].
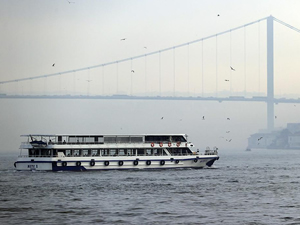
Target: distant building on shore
[[288, 138]]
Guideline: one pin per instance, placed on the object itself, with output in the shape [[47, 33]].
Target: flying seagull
[[226, 80], [132, 71], [228, 118], [162, 118], [53, 64], [218, 14], [259, 138], [232, 68], [123, 39], [203, 118], [70, 2]]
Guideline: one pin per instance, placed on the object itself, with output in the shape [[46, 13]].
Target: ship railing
[[94, 143], [211, 152]]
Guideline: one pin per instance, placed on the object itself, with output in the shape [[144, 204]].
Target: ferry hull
[[111, 163]]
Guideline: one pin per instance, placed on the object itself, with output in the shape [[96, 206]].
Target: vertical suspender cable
[[102, 80], [258, 57], [117, 78], [230, 61], [159, 67], [131, 72], [145, 74], [174, 72], [88, 82], [245, 82], [202, 70], [188, 69], [74, 83], [216, 65]]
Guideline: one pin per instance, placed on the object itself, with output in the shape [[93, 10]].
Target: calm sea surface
[[256, 187]]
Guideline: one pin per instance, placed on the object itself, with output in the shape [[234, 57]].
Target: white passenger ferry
[[109, 152]]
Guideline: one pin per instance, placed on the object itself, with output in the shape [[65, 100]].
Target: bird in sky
[[203, 118], [228, 118], [132, 71], [162, 118], [218, 14], [145, 47], [123, 39], [232, 68], [53, 64], [259, 138], [227, 131], [226, 80], [88, 80]]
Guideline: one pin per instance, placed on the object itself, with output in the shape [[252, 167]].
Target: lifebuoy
[[78, 163], [152, 144], [176, 161], [148, 162], [178, 144], [64, 164], [195, 160], [135, 162], [162, 162], [169, 144], [106, 163], [92, 163], [160, 144], [121, 163]]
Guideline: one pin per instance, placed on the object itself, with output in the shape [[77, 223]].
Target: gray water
[[256, 187]]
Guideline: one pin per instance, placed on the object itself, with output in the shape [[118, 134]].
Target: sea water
[[242, 187]]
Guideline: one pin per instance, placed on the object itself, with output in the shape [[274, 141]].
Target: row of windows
[[115, 139], [108, 152]]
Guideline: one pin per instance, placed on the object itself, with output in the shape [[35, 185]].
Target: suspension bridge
[[233, 65]]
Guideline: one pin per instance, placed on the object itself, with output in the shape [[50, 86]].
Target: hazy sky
[[82, 33], [76, 34]]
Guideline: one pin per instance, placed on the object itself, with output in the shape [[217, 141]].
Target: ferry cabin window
[[123, 139], [180, 151], [141, 152], [136, 139], [76, 152], [178, 138], [85, 152], [110, 139], [157, 139], [68, 152], [95, 152], [74, 139]]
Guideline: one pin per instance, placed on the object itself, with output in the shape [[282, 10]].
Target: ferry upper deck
[[58, 139]]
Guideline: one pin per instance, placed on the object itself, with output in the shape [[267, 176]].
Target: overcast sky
[[83, 33]]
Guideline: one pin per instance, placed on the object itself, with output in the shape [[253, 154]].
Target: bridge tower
[[270, 74]]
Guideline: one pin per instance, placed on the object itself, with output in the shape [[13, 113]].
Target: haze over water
[[256, 187]]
